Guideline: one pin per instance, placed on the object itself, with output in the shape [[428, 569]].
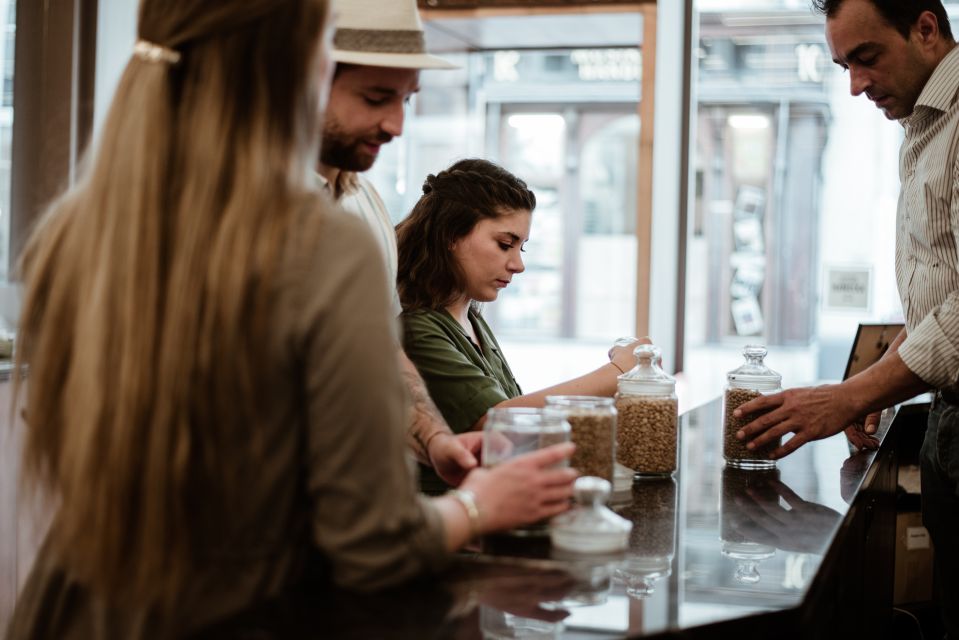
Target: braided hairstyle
[[453, 202]]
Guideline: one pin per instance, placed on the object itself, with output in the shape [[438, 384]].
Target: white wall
[[116, 34], [859, 196]]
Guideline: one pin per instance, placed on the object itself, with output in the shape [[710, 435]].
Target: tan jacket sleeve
[[367, 516]]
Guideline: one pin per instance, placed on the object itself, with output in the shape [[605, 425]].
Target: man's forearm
[[884, 384], [894, 345], [425, 419]]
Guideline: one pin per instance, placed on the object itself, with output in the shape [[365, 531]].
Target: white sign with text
[[848, 288]]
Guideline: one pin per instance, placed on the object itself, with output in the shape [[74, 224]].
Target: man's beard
[[345, 153]]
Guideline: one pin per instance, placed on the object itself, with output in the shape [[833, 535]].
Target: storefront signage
[[809, 60], [607, 64], [847, 288]]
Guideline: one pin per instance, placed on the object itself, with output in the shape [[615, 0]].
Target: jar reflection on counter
[[652, 543], [742, 486]]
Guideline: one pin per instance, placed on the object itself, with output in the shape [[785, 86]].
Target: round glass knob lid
[[590, 490]]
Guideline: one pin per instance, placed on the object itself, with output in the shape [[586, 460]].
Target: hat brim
[[393, 60]]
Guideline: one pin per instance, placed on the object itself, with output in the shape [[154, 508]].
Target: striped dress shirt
[[927, 229], [358, 196]]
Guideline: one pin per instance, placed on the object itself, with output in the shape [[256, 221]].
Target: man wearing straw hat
[[379, 49]]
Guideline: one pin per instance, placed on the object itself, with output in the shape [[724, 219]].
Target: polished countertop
[[711, 545]]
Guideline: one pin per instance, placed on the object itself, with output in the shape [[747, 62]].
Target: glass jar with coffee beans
[[648, 416], [751, 380], [593, 430]]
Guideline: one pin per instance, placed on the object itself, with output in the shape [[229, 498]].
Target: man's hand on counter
[[810, 413], [453, 456], [819, 412], [858, 435]]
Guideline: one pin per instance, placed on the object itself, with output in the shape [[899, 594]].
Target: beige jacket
[[334, 477]]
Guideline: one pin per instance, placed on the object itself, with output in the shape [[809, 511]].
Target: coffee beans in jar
[[748, 382], [592, 423], [735, 449], [648, 416], [647, 440]]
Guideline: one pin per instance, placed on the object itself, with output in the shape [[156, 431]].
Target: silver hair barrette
[[155, 53]]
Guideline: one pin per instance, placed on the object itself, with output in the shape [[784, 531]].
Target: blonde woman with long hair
[[213, 401]]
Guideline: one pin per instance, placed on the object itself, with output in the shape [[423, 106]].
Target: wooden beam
[[644, 179], [429, 12], [53, 105]]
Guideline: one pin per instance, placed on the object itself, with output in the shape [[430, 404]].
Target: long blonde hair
[[147, 289]]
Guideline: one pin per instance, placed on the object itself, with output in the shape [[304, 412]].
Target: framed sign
[[847, 288]]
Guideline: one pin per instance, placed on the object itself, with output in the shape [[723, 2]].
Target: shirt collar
[[347, 183], [481, 334], [940, 90]]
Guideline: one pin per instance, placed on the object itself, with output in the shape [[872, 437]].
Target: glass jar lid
[[590, 527], [754, 374], [647, 377]]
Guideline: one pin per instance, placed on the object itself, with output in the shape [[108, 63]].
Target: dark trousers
[[939, 465]]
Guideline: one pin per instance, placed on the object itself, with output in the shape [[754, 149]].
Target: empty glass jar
[[513, 431], [749, 381], [648, 416]]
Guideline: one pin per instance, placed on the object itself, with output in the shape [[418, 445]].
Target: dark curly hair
[[453, 201], [900, 14]]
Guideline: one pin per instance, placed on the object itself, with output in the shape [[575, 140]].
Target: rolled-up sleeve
[[930, 350], [367, 516]]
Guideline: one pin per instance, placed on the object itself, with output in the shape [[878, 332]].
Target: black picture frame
[[871, 342]]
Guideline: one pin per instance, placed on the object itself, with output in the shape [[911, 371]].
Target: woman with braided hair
[[460, 246], [211, 409]]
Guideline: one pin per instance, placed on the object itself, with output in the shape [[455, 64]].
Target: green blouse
[[464, 379]]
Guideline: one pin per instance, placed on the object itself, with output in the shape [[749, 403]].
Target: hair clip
[[155, 53]]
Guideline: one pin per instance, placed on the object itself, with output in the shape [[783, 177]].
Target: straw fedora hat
[[382, 33]]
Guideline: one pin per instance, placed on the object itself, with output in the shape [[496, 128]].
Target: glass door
[[581, 161]]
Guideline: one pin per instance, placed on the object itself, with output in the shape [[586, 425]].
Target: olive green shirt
[[464, 379]]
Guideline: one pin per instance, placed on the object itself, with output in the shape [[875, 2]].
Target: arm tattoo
[[425, 419]]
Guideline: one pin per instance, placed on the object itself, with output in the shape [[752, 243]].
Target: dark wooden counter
[[803, 552]]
